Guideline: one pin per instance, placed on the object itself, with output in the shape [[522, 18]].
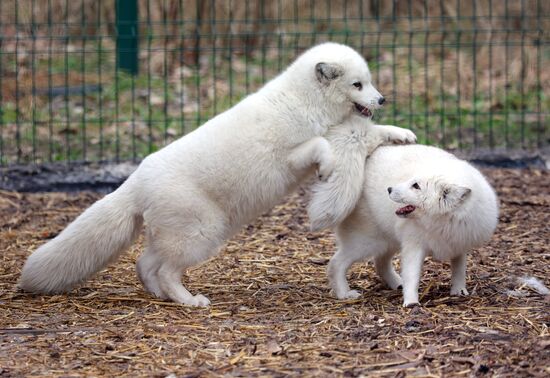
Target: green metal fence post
[[127, 35]]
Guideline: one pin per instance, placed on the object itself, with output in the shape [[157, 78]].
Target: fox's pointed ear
[[455, 193], [462, 192], [326, 72]]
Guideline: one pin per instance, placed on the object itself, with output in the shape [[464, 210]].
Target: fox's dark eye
[[358, 85], [415, 186]]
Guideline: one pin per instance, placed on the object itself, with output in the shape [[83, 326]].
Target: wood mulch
[[272, 313]]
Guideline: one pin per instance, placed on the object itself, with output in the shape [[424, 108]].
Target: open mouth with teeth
[[363, 110], [405, 210]]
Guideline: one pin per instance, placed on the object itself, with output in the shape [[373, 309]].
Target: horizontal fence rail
[[106, 80]]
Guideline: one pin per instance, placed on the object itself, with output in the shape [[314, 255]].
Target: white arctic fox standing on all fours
[[352, 142], [197, 192], [418, 200]]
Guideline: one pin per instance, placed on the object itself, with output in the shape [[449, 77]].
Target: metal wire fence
[[105, 80]]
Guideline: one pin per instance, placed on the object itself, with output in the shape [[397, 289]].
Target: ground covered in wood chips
[[272, 313]]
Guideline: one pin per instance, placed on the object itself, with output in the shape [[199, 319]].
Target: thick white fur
[[352, 142], [456, 210], [198, 191]]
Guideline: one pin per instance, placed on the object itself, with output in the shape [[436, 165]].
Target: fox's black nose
[[381, 100], [389, 190]]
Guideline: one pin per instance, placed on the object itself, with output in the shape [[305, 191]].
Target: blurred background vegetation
[[463, 74]]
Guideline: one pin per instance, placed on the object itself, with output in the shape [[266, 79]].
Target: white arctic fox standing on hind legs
[[197, 192], [419, 200]]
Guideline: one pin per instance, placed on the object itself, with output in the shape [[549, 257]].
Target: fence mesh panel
[[82, 80]]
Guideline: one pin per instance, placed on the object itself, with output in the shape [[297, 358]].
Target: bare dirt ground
[[272, 313]]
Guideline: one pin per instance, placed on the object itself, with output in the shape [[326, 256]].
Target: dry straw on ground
[[272, 314]]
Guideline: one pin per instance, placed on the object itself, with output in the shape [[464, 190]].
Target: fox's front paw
[[407, 304], [401, 136]]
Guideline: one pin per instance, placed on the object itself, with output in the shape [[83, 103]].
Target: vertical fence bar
[[17, 91], [246, 48], [377, 48], [491, 136], [127, 35], [540, 36], [149, 74], [263, 47], [458, 81], [67, 128], [3, 158], [133, 116], [523, 74], [443, 35], [506, 76], [117, 108], [474, 72], [346, 24], [213, 31], [409, 65], [100, 77], [312, 20], [83, 32], [296, 41], [361, 22], [230, 57], [50, 83], [199, 7], [426, 65], [279, 37], [165, 69], [33, 81], [394, 60], [181, 94]]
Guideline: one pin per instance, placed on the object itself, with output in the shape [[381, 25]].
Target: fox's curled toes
[[200, 300], [411, 137], [350, 294], [459, 291], [411, 304], [408, 137], [401, 137]]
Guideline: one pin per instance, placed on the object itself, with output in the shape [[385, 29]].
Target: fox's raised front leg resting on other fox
[[315, 151], [388, 134], [458, 275]]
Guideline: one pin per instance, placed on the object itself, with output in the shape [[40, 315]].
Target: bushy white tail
[[334, 200], [93, 240]]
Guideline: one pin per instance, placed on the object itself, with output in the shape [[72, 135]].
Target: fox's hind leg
[[180, 237], [386, 271], [353, 246], [337, 269], [458, 275], [147, 268]]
